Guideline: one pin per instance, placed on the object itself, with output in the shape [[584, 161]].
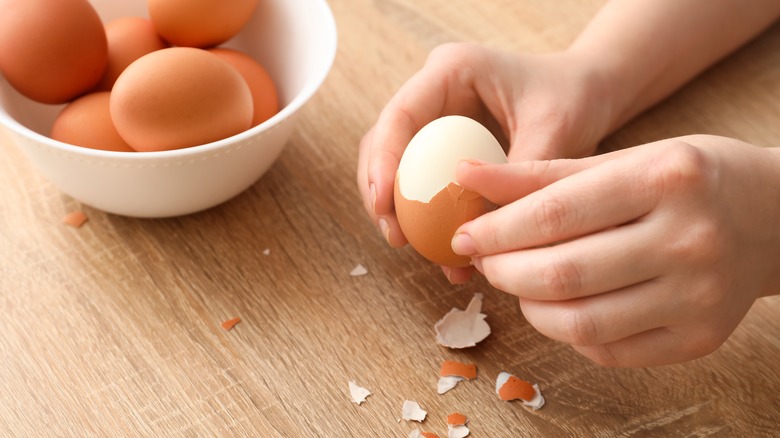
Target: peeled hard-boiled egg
[[429, 203], [179, 97]]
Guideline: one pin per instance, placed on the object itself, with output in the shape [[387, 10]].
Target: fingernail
[[384, 227], [472, 162], [468, 162], [477, 262], [463, 244], [372, 196]]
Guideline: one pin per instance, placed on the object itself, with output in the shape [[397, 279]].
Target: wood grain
[[113, 329]]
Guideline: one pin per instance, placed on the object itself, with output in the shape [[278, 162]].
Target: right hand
[[539, 106]]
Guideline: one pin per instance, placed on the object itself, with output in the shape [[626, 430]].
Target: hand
[[645, 256], [543, 106]]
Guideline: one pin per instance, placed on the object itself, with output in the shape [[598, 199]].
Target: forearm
[[774, 200], [649, 48]]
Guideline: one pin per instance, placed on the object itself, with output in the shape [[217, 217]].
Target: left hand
[[646, 256]]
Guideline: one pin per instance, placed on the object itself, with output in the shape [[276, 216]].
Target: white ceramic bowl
[[294, 39]]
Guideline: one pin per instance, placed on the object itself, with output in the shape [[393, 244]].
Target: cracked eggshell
[[429, 203]]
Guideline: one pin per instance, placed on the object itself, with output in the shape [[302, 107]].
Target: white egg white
[[428, 163]]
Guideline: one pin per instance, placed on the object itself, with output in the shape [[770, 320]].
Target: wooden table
[[114, 328]]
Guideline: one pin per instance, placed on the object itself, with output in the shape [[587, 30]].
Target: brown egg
[[429, 203], [430, 226], [266, 101], [51, 51], [179, 97], [199, 23], [129, 38], [87, 122]]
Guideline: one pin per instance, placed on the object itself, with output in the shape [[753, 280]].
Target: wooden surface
[[114, 328]]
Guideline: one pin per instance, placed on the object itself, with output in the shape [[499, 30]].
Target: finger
[[600, 262], [458, 275], [660, 346], [608, 194], [379, 196], [367, 191], [416, 103], [502, 184], [439, 89], [387, 224], [505, 183], [603, 318], [446, 85]]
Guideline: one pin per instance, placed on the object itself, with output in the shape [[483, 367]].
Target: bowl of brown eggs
[[157, 108]]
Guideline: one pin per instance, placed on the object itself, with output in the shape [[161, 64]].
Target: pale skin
[[673, 258]]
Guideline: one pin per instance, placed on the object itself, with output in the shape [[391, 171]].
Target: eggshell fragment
[[75, 219], [456, 419], [230, 323], [358, 393], [456, 426], [429, 203], [452, 373], [457, 431], [509, 387], [51, 51], [447, 383], [411, 411], [417, 433], [358, 271], [86, 122], [467, 371], [179, 97], [463, 328]]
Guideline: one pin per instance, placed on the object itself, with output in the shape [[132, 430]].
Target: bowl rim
[[303, 96]]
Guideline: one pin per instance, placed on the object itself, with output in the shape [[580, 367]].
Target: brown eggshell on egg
[[129, 38], [429, 203], [429, 227], [87, 122], [51, 51], [179, 97], [200, 23], [264, 95]]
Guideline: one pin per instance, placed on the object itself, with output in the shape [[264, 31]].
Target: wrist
[[754, 194], [773, 286], [610, 88]]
